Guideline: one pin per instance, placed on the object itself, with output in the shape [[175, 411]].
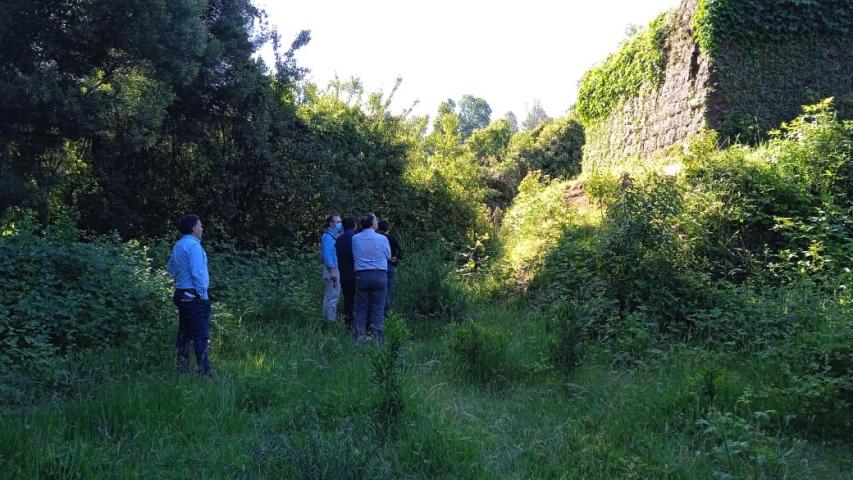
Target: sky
[[507, 52]]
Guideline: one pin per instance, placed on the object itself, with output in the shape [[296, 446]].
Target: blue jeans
[[370, 288], [193, 328]]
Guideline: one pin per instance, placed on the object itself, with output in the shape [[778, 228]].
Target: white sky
[[507, 52]]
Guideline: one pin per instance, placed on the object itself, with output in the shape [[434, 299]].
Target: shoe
[[362, 339]]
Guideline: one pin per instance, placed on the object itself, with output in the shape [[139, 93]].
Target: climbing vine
[[638, 64], [754, 22]]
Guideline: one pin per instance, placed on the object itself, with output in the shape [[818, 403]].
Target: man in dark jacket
[[393, 263], [346, 267]]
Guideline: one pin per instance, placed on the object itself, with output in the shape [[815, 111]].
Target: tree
[[489, 144], [474, 114], [513, 121], [536, 116]]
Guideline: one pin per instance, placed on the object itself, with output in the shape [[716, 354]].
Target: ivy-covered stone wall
[[664, 109], [740, 67]]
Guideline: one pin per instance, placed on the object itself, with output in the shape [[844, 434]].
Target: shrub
[[642, 256], [481, 353], [425, 286], [564, 348], [58, 295], [386, 373]]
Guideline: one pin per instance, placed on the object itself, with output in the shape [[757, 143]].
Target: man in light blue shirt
[[188, 266], [371, 253], [331, 275]]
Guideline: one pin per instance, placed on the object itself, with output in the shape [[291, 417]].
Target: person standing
[[346, 268], [188, 266], [330, 267], [393, 263], [371, 253]]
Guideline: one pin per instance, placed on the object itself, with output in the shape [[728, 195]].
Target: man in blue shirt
[[371, 253], [346, 267], [188, 266], [330, 267]]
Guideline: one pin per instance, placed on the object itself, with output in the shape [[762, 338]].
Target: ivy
[[753, 22], [637, 65]]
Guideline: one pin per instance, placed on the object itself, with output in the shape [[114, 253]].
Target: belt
[[370, 270]]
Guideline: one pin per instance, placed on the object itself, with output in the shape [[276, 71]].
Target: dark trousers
[[193, 328], [348, 291], [370, 288]]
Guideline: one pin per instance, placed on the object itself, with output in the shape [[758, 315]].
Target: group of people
[[362, 266]]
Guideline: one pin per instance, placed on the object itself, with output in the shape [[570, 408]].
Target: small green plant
[[481, 353], [386, 372], [427, 287], [565, 344], [742, 448]]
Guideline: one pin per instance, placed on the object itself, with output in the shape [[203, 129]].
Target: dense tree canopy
[[474, 114]]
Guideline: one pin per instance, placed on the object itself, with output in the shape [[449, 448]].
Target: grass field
[[297, 399]]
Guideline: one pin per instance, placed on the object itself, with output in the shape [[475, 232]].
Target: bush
[[386, 375], [481, 353], [643, 257], [425, 286], [58, 295], [564, 348]]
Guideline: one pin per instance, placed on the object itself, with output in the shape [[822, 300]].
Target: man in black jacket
[[346, 267], [396, 256]]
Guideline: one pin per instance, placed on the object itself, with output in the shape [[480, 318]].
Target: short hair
[[384, 225], [330, 217], [349, 222], [187, 223], [367, 220]]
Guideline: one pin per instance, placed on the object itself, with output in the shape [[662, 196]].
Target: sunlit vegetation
[[687, 315]]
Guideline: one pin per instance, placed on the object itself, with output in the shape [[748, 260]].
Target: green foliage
[[565, 347], [790, 196], [386, 373], [58, 295], [637, 65], [722, 23], [481, 353], [425, 286], [533, 225], [773, 57], [642, 254], [489, 144], [555, 148], [474, 114]]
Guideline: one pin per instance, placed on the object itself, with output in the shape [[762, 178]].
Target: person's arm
[[386, 247], [171, 265], [198, 270], [330, 257]]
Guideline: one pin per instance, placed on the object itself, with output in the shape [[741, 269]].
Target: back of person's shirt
[[370, 251], [396, 250], [346, 262]]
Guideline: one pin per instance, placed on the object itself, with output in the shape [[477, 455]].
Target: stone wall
[[667, 114], [742, 92]]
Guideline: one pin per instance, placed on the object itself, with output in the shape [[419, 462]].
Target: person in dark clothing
[[393, 263], [346, 267]]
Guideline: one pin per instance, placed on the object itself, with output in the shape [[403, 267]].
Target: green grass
[[293, 399]]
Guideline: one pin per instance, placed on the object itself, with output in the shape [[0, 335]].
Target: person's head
[[368, 221], [383, 226], [334, 221], [348, 222], [190, 224]]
